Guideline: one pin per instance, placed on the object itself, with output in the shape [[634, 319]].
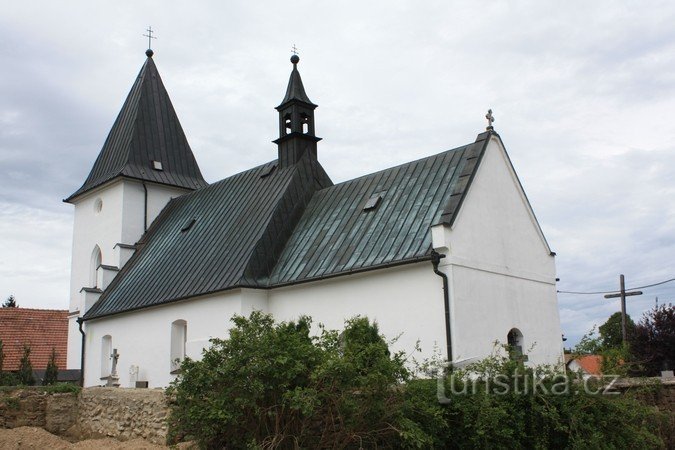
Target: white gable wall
[[502, 274]]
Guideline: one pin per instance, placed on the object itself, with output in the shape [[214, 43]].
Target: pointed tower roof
[[295, 89], [146, 132]]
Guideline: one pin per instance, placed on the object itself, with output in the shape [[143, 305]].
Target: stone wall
[[122, 413], [56, 413], [96, 412]]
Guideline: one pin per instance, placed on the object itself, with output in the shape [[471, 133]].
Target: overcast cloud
[[583, 93]]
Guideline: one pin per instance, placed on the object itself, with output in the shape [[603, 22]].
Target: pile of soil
[[31, 438]]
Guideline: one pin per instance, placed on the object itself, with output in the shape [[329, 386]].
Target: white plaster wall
[[134, 203], [143, 338], [501, 270], [119, 221], [91, 228], [487, 305], [405, 300]]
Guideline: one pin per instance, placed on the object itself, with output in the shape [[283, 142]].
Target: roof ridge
[[398, 166]]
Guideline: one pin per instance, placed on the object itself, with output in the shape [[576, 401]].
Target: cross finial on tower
[[294, 50], [150, 37], [490, 118]]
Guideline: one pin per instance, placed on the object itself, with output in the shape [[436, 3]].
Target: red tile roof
[[591, 364], [42, 329]]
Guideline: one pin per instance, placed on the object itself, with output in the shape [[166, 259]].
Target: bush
[[8, 379], [274, 385], [25, 373], [499, 403], [52, 370]]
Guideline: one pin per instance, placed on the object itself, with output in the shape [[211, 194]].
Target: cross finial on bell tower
[[294, 49], [150, 37], [490, 118]]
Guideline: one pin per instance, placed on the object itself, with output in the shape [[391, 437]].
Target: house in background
[[42, 330], [445, 251], [587, 365]]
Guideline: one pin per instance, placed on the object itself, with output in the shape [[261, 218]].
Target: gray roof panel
[[146, 129], [289, 227]]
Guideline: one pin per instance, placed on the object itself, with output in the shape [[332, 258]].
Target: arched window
[[106, 358], [96, 259], [178, 340], [515, 341], [304, 118], [287, 124]]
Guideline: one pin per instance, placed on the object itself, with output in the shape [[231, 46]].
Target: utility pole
[[623, 294]]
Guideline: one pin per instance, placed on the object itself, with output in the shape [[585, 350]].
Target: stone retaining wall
[[122, 413], [96, 412], [55, 413]]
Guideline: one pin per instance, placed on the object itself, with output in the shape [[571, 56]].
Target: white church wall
[[406, 301], [143, 338], [502, 274], [486, 306], [105, 217], [96, 223], [135, 207]]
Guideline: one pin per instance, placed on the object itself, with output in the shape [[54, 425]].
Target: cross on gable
[[490, 118]]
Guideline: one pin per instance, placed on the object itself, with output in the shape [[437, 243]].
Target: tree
[[25, 373], [52, 372], [590, 344], [610, 332], [653, 341], [10, 302]]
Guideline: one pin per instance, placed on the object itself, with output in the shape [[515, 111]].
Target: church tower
[[297, 136], [145, 161]]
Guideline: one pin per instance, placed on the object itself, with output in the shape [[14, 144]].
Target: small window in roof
[[188, 225], [157, 165], [373, 201], [268, 171]]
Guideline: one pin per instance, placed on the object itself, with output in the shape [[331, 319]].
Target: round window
[[98, 205]]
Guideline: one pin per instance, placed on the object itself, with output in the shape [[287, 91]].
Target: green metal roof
[[264, 229]]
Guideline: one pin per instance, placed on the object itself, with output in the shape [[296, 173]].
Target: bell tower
[[297, 135]]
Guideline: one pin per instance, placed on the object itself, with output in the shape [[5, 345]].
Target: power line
[[615, 291]]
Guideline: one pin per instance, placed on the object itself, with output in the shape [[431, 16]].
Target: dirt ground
[[31, 438]]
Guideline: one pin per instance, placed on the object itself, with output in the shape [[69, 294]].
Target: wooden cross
[[490, 118], [623, 294], [149, 36], [294, 50]]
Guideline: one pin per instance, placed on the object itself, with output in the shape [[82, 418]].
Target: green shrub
[[52, 370], [25, 373], [62, 388], [8, 379], [274, 385]]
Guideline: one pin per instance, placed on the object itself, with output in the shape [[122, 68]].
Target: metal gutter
[[435, 261], [80, 322]]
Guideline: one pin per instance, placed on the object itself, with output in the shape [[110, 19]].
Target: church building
[[444, 252]]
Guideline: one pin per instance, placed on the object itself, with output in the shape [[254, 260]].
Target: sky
[[583, 94]]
